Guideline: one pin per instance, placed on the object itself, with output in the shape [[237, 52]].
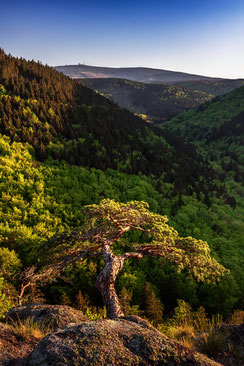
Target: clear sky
[[196, 36]]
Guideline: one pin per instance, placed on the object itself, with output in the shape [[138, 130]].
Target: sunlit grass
[[28, 328]]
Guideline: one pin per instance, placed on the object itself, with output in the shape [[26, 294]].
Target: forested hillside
[[217, 127], [42, 200], [68, 121], [213, 87], [64, 147], [158, 102]]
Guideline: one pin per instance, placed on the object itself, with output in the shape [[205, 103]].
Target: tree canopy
[[112, 219]]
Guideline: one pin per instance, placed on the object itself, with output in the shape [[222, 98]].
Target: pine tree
[[81, 302], [125, 302], [64, 299], [153, 306], [125, 299]]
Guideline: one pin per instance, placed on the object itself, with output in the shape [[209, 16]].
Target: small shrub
[[182, 313], [92, 313], [81, 302], [201, 322], [6, 297], [64, 299], [237, 317]]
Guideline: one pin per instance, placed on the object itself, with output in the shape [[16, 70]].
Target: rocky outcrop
[[55, 316], [236, 335], [124, 341], [233, 354]]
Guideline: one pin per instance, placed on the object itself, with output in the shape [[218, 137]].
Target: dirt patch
[[14, 350]]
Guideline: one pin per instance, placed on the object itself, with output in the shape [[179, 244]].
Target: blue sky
[[200, 36]]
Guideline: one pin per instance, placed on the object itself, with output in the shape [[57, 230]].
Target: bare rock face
[[125, 341], [54, 315]]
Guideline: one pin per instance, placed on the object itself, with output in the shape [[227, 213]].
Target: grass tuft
[[212, 343], [28, 328], [183, 333]]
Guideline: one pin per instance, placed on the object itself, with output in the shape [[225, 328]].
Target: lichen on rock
[[124, 341]]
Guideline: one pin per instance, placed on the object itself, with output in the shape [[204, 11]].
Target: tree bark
[[107, 277], [105, 284]]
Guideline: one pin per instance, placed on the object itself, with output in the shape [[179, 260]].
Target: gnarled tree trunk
[[105, 284], [106, 280]]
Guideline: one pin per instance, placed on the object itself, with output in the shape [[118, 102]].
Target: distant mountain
[[154, 102], [143, 74], [215, 87]]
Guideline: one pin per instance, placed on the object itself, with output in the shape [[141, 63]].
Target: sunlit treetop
[[108, 221]]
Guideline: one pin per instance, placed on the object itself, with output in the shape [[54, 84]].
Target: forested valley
[[64, 146], [152, 102]]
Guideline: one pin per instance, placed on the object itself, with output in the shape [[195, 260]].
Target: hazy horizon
[[196, 37]]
